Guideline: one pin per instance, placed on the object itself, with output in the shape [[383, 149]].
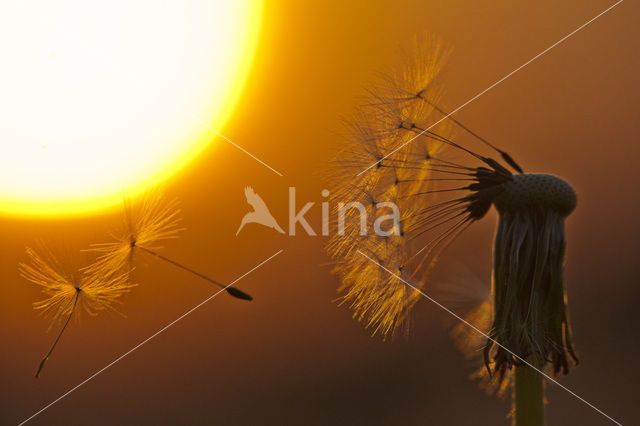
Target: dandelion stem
[[66, 323], [232, 291], [528, 398]]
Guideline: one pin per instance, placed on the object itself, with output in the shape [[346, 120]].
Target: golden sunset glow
[[102, 99]]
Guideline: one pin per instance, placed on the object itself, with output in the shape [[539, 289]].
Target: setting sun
[[98, 100]]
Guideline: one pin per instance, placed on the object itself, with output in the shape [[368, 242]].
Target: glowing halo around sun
[[97, 98]]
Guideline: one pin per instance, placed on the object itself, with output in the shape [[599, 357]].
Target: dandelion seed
[[146, 224], [69, 291], [441, 187], [392, 115]]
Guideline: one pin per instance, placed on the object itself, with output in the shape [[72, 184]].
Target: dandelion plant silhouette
[[441, 187], [69, 291], [146, 224]]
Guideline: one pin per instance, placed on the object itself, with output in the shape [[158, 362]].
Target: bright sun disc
[[98, 98]]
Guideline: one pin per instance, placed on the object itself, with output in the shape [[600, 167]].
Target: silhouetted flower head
[[401, 150]]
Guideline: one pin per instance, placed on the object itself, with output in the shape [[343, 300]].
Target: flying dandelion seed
[[145, 225], [69, 291], [441, 187]]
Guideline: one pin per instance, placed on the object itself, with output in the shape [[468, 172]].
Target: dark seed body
[[527, 191]]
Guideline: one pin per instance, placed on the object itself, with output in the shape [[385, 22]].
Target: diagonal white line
[[235, 144], [494, 84], [458, 317], [147, 340]]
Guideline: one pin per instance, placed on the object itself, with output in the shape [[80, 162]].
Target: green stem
[[528, 394]]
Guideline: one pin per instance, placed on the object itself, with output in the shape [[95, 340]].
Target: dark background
[[292, 356]]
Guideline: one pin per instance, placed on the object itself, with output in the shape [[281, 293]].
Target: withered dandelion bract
[[395, 154], [69, 291], [146, 223]]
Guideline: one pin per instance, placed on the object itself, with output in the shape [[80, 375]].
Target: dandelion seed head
[[395, 154], [527, 191]]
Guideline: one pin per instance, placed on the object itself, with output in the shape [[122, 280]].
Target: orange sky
[[292, 356]]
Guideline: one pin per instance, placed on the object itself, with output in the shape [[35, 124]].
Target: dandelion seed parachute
[[146, 224], [441, 187], [391, 116], [68, 291]]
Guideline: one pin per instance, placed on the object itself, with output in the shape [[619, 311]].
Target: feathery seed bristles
[[61, 287], [471, 343], [100, 285], [146, 223], [67, 292], [392, 116], [58, 285], [467, 295]]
